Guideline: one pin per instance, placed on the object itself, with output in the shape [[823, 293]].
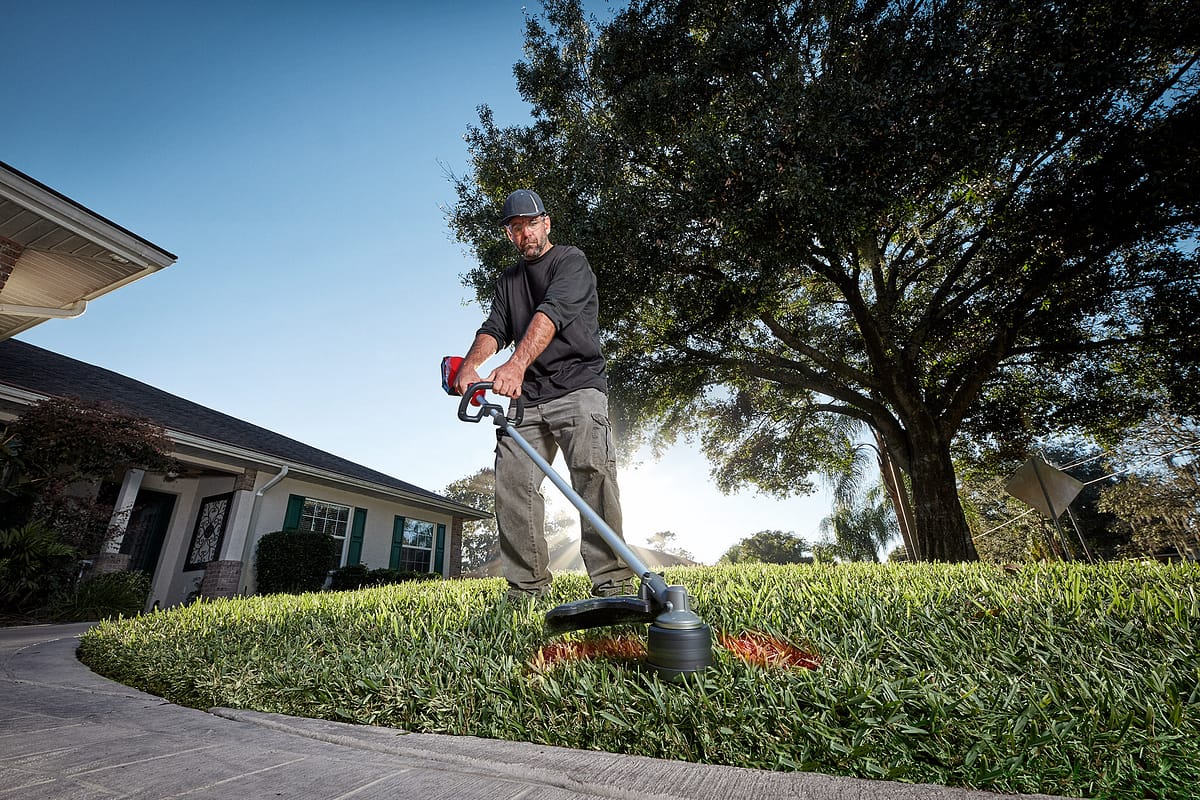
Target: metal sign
[[1046, 488]]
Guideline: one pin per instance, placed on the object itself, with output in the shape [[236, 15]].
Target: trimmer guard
[[600, 612]]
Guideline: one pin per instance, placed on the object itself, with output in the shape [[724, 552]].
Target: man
[[547, 305]]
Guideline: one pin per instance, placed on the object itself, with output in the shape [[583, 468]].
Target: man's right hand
[[465, 377]]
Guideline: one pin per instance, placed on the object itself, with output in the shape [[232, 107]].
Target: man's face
[[531, 235]]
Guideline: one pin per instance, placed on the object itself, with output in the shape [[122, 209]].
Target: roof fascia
[[62, 211]]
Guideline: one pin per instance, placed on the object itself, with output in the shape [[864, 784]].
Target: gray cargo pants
[[578, 423]]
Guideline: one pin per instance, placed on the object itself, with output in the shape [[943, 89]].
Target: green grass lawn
[[1064, 679]]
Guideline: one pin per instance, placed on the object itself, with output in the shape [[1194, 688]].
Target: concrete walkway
[[65, 732]]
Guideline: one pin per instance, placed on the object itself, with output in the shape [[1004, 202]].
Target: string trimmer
[[678, 642]]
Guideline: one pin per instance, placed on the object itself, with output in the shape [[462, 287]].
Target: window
[[322, 517], [412, 545]]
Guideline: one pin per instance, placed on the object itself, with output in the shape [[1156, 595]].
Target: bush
[[354, 576], [114, 594], [359, 576], [294, 561], [1062, 679], [34, 564]]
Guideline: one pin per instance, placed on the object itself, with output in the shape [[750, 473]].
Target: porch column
[[221, 577], [110, 558], [237, 524]]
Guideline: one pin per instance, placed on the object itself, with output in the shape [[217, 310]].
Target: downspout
[[246, 548]]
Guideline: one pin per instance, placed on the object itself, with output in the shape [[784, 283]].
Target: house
[[193, 529]]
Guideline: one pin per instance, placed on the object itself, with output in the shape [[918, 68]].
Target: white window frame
[[338, 528], [407, 547]]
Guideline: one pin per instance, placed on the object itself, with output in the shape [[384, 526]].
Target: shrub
[[359, 576], [294, 561], [382, 577], [33, 565], [353, 576], [114, 594], [1063, 679]]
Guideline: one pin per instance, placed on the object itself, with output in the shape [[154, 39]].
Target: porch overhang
[[56, 256]]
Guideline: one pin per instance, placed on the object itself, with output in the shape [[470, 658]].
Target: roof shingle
[[40, 371]]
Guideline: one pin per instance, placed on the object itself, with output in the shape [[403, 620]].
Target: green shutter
[[354, 553], [291, 520], [439, 553], [397, 542]]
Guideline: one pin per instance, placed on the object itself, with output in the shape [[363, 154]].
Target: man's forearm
[[483, 348], [537, 337], [508, 377]]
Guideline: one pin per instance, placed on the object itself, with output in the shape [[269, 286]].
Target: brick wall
[[456, 530], [221, 579], [10, 251], [245, 481]]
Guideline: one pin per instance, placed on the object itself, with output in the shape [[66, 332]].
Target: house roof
[[56, 255], [41, 372]]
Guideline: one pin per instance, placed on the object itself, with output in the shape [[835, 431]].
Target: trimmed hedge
[[1065, 679], [360, 576], [292, 562]]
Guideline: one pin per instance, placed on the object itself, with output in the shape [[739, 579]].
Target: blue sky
[[294, 156]]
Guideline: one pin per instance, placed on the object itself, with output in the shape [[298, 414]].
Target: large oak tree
[[956, 223]]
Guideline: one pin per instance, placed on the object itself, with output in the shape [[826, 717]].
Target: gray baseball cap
[[522, 203]]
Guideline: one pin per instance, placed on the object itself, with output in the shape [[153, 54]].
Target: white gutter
[[250, 526], [314, 472], [20, 395], [71, 312]]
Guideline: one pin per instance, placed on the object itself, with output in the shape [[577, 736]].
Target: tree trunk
[[940, 528]]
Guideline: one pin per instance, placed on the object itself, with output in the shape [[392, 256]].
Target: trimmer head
[[679, 651], [678, 642]]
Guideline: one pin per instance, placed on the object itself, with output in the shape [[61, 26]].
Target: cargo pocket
[[602, 445]]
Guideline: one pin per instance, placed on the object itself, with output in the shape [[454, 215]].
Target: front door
[[148, 524]]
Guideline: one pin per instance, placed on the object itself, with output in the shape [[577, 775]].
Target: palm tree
[[863, 521], [860, 526]]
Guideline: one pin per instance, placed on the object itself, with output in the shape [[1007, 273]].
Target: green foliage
[[33, 565], [480, 538], [114, 594], [968, 220], [1062, 679], [857, 532], [769, 547], [86, 439], [1159, 502], [58, 443], [359, 576], [294, 561]]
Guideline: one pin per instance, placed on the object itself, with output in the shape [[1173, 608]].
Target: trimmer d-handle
[[475, 396]]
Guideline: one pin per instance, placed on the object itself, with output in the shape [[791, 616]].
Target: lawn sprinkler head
[[678, 642]]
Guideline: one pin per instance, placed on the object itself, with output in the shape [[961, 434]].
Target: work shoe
[[621, 588], [515, 595]]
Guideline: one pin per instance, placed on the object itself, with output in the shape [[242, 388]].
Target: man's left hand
[[507, 378]]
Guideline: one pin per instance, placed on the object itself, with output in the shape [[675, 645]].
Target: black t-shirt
[[562, 286]]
